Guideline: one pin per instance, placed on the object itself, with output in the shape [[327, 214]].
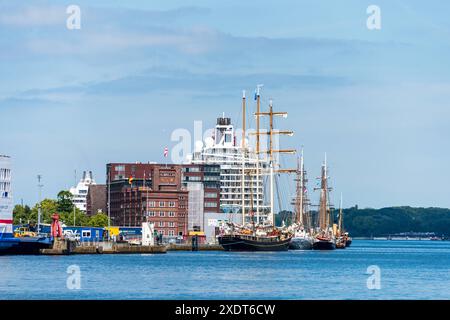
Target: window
[[210, 195], [171, 224], [86, 234], [161, 204], [162, 214], [171, 233], [211, 205], [120, 168], [151, 204], [172, 214], [172, 204], [151, 214], [161, 224]]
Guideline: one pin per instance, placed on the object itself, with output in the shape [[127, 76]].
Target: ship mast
[[341, 217], [271, 151], [243, 155], [324, 210], [258, 145], [299, 199]]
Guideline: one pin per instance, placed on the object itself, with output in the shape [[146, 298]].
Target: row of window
[[5, 174], [205, 169], [5, 186], [120, 168], [210, 195], [162, 204], [170, 233], [162, 224], [211, 205], [161, 214]]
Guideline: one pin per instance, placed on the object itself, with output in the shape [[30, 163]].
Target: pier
[[66, 247]]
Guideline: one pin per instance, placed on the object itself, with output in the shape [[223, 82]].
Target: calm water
[[410, 270]]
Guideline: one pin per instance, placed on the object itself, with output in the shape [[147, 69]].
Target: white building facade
[[80, 192], [6, 198]]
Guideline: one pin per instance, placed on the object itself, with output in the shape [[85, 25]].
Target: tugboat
[[325, 237]]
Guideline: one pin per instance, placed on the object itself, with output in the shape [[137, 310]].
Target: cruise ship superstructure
[[223, 150]]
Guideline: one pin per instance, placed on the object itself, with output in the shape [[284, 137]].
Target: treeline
[[24, 215], [389, 221], [393, 220]]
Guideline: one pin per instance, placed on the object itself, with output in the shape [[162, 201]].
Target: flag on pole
[[166, 152], [130, 180]]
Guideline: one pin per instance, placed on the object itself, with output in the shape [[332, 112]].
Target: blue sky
[[376, 101]]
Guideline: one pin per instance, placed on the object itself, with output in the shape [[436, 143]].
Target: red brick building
[[96, 199], [142, 192], [158, 193]]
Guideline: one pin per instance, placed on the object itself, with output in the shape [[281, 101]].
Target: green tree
[[81, 219], [65, 201], [48, 208], [21, 214], [99, 220]]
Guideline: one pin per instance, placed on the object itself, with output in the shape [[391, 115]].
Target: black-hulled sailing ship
[[253, 235], [325, 237]]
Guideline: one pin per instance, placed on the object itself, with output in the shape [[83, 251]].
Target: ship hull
[[324, 245], [24, 246], [237, 243], [300, 244]]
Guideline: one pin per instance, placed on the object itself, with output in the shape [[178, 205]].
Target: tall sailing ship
[[343, 239], [325, 237], [258, 235], [302, 239]]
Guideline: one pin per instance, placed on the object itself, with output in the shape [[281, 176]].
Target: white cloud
[[33, 16]]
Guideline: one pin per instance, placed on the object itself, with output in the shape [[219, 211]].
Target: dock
[[188, 247], [65, 247]]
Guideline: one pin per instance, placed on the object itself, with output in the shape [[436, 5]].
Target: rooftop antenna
[[74, 207], [40, 185]]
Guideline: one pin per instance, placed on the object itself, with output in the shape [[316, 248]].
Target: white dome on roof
[[209, 142]]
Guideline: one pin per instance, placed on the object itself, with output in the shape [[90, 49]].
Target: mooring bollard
[[194, 243]]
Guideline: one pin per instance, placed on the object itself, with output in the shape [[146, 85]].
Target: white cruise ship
[[223, 150], [81, 190]]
